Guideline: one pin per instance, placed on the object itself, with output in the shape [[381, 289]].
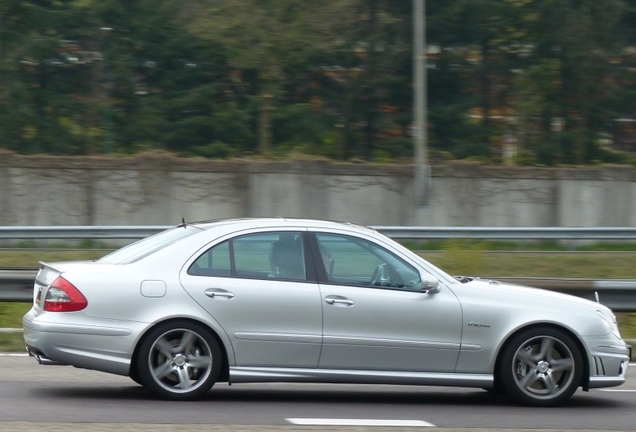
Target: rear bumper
[[42, 359], [103, 348]]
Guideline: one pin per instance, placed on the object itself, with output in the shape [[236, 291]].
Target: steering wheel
[[381, 275]]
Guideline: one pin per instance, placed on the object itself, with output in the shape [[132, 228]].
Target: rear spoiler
[[49, 266], [47, 274]]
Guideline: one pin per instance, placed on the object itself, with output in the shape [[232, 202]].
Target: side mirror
[[430, 284]]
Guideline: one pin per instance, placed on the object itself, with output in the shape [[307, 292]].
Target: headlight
[[610, 322]]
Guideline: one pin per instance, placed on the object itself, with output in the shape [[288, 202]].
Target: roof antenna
[[596, 296], [183, 223]]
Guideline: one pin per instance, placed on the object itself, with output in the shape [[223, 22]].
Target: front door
[[376, 317]]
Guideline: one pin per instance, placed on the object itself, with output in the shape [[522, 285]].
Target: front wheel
[[541, 367], [179, 360]]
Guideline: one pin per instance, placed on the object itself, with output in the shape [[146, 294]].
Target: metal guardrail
[[395, 232], [77, 232], [620, 295], [617, 294], [16, 285], [497, 233]]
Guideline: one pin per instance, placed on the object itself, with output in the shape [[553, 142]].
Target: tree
[[264, 37], [578, 37], [218, 78]]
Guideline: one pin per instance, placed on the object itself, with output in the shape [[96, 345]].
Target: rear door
[[262, 291]]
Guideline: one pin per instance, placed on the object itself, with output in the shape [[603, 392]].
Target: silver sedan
[[263, 300]]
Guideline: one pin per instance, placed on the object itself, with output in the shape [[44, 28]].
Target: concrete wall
[[158, 189]]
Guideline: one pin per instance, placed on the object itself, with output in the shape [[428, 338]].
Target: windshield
[[143, 248]]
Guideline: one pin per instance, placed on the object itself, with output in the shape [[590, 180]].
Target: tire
[[179, 360], [134, 376], [541, 367], [496, 389]]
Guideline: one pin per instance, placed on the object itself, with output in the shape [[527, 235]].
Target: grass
[[594, 265], [12, 342], [526, 245], [30, 258], [11, 314], [457, 257]]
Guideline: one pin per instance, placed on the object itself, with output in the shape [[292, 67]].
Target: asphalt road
[[61, 398]]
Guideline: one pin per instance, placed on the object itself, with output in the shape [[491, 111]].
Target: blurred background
[[523, 82], [140, 112]]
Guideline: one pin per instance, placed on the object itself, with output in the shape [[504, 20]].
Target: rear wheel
[[179, 360], [134, 375], [541, 367]]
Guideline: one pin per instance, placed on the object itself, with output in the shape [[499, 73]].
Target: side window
[[278, 255], [354, 261], [270, 255], [214, 262]]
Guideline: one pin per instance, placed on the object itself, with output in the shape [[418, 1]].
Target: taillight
[[62, 296]]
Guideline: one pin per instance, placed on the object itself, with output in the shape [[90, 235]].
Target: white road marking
[[13, 355], [617, 390], [357, 422]]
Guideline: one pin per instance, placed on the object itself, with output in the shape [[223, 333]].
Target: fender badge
[[474, 324]]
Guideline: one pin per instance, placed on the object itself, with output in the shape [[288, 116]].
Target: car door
[[376, 316], [259, 288]]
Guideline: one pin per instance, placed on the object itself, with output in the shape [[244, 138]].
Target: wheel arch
[[585, 380], [225, 366]]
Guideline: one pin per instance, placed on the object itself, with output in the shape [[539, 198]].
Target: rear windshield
[[143, 248]]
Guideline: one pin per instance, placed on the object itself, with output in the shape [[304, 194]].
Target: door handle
[[217, 292], [337, 300]]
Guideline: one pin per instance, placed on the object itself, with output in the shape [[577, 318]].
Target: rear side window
[[143, 248], [215, 262], [277, 255]]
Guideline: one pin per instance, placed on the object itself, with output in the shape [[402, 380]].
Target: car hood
[[532, 295]]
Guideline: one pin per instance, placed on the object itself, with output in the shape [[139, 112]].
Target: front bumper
[[609, 359]]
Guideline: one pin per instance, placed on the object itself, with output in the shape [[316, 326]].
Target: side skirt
[[336, 376]]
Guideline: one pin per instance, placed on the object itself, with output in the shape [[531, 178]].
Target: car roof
[[247, 223]]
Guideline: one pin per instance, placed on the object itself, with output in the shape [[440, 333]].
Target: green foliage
[[220, 78], [297, 124], [216, 150]]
